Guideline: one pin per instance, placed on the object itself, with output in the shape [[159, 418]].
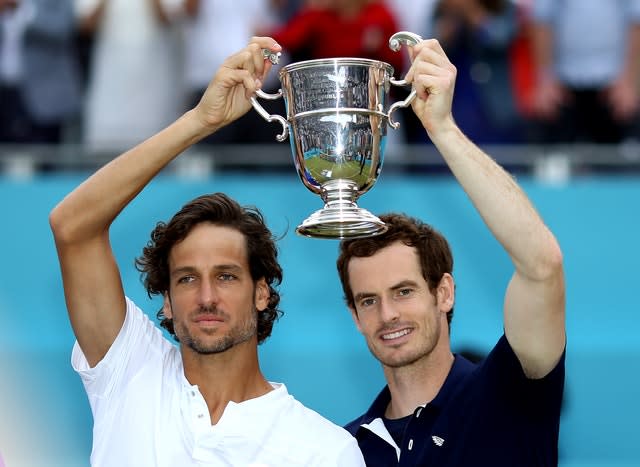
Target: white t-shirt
[[147, 414]]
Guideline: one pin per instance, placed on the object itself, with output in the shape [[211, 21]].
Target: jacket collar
[[460, 369]]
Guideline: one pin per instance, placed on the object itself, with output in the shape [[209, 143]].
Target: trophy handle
[[395, 42], [267, 116]]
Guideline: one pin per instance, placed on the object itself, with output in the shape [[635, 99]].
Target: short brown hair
[[433, 250]]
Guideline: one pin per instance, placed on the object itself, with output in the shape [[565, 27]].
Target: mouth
[[395, 336], [208, 320]]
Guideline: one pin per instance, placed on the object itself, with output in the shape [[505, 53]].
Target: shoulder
[[353, 425], [308, 435], [500, 378], [307, 425], [503, 358], [316, 424], [138, 342]]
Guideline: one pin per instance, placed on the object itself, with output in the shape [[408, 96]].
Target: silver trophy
[[337, 114]]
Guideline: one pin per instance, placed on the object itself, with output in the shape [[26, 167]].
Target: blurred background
[[548, 87]]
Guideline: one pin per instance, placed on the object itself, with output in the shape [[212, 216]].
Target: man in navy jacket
[[439, 409]]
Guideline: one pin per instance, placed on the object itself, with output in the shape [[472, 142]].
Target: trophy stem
[[341, 217], [339, 191]]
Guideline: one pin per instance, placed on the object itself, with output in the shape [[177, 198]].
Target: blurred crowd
[[109, 73]]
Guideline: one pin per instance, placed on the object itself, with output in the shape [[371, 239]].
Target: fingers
[[249, 66], [252, 59], [431, 72]]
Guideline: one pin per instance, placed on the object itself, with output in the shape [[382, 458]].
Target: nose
[[207, 295], [388, 312]]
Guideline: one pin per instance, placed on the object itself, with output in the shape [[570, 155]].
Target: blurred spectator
[[341, 28], [414, 17], [587, 60], [478, 37], [39, 82], [344, 28], [285, 9], [522, 61], [134, 85], [213, 30], [7, 5]]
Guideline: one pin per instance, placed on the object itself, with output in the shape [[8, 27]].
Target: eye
[[367, 302], [186, 279], [226, 277], [405, 292]]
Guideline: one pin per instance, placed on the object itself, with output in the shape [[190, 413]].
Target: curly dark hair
[[433, 249], [218, 209]]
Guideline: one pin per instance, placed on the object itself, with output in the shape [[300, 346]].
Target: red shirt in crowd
[[324, 33]]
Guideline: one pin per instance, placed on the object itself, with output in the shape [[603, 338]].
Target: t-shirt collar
[[459, 370]]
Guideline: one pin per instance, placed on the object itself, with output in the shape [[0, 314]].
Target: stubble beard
[[406, 357], [240, 333]]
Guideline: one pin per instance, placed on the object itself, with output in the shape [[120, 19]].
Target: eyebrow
[[404, 283], [400, 285], [217, 268]]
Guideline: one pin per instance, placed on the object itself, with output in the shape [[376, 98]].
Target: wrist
[[442, 130], [197, 125]]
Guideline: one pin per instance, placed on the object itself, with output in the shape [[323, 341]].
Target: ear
[[445, 293], [262, 295], [356, 320], [166, 307]]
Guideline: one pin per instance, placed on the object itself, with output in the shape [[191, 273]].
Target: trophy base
[[340, 223]]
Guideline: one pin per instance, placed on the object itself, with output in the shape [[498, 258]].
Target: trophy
[[337, 116]]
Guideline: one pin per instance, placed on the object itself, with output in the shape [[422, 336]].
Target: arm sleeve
[[536, 397], [138, 342], [350, 455]]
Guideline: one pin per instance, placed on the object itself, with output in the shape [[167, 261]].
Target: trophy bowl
[[337, 115]]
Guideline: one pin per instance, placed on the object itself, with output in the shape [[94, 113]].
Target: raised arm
[[81, 222], [535, 299]]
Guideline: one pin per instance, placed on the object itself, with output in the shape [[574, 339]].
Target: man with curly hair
[[215, 266]]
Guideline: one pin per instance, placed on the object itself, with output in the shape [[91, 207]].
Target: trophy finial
[[271, 56]]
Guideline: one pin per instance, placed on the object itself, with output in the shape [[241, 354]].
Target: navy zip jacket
[[486, 414]]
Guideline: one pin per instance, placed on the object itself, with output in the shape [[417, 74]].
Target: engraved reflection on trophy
[[337, 115]]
